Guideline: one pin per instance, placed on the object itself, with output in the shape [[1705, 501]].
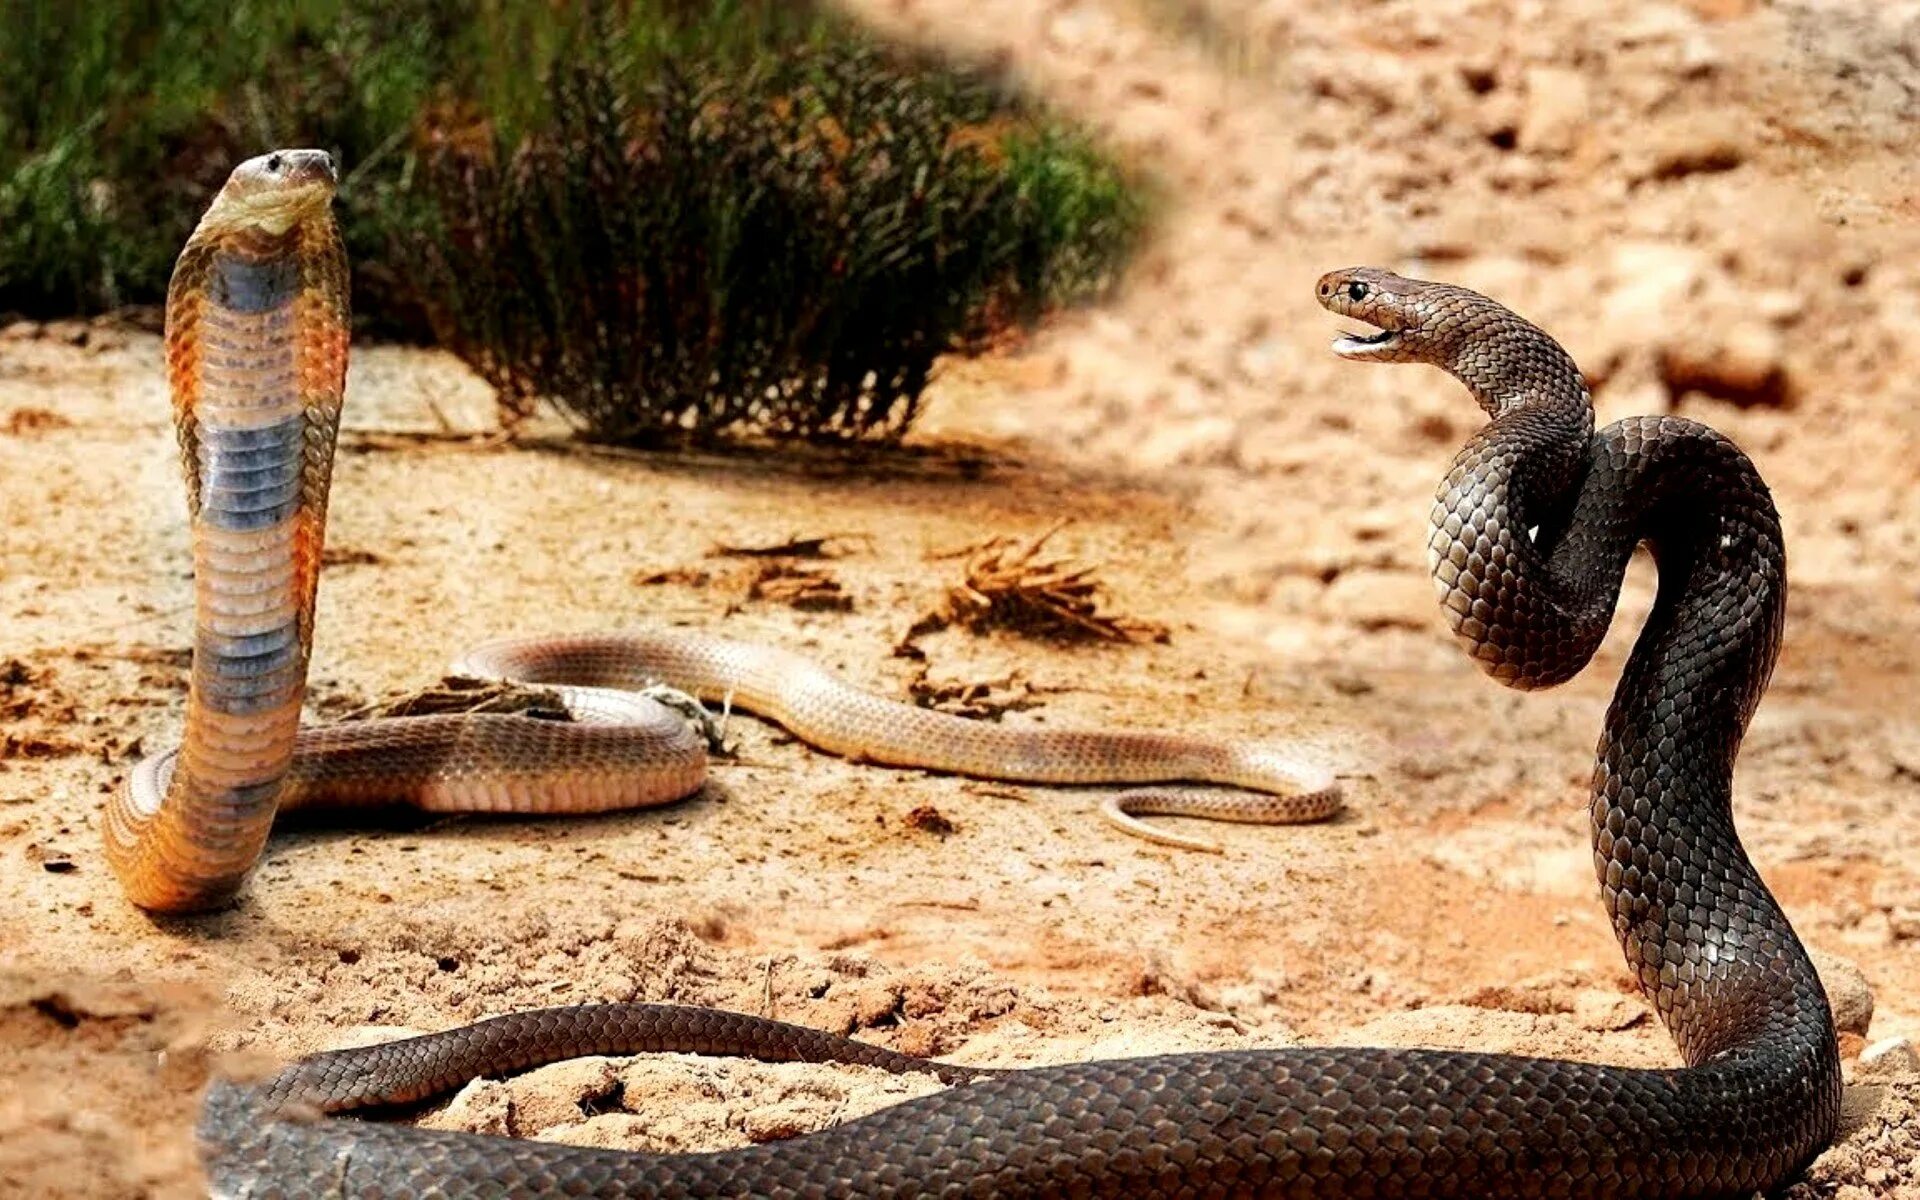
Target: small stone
[[1895, 892], [1652, 24], [609, 1131], [928, 819], [562, 1093], [483, 1106], [1695, 146], [775, 1124], [1376, 599], [876, 1003], [1780, 306], [1847, 991], [1899, 901], [1201, 441], [1646, 283], [1890, 1058], [1745, 366], [1607, 1012], [1558, 109]]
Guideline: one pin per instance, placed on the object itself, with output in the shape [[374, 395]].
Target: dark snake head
[[274, 192], [1413, 321], [1502, 358]]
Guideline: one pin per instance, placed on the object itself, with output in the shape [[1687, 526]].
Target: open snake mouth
[[1350, 345]]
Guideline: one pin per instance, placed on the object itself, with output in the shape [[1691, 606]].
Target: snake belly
[[1531, 533], [256, 343]]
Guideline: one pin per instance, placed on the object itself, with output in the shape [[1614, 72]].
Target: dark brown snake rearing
[[1532, 532]]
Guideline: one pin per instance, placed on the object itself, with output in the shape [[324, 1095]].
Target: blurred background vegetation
[[671, 218]]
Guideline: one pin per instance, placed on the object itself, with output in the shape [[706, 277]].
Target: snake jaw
[[1374, 297], [1359, 347]]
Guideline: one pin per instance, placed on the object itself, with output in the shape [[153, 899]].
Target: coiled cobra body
[[1531, 533]]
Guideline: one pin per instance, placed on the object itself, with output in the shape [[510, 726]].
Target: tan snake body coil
[[257, 350]]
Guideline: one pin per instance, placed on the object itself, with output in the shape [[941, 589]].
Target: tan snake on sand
[[256, 352]]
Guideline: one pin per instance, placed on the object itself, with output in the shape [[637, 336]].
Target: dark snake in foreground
[[1532, 532]]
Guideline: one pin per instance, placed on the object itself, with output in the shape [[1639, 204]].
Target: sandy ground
[[1710, 203]]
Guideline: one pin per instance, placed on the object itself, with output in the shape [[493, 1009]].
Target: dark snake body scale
[[1532, 531]]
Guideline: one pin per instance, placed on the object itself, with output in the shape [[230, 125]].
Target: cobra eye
[[1356, 291], [274, 162]]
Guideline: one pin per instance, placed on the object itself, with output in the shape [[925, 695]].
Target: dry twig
[[798, 587]]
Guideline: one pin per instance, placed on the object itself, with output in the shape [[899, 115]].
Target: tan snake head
[[272, 193], [1501, 358]]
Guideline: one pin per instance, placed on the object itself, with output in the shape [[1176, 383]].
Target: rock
[[1645, 285], [561, 1094], [1780, 306], [1899, 900], [1558, 108], [876, 1003], [1745, 365], [778, 1122], [1261, 991], [1692, 146], [483, 1106], [1847, 991], [1652, 25], [1890, 1058], [1375, 599], [1202, 441], [1607, 1012]]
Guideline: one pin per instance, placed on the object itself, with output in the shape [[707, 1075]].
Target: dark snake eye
[[1356, 291], [274, 163]]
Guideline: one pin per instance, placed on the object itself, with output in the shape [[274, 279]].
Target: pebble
[[1847, 991], [564, 1091], [1699, 145], [1557, 109], [483, 1106], [1745, 365], [1890, 1058]]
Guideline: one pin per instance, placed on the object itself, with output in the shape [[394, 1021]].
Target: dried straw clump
[[1008, 585]]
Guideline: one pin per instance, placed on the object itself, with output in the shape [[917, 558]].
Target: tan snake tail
[[1531, 533], [257, 348]]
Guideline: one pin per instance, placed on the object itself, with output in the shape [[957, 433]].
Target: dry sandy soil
[[1709, 202]]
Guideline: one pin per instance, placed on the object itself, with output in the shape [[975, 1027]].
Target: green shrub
[[783, 250], [671, 217], [1080, 215]]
